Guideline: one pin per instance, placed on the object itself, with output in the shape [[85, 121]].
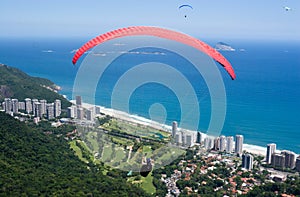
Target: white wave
[[48, 51]]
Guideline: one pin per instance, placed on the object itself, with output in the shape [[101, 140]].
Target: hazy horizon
[[214, 19]]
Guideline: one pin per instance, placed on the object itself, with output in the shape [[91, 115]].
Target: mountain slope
[[16, 84], [35, 164]]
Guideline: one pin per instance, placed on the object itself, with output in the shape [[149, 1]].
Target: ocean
[[262, 103]]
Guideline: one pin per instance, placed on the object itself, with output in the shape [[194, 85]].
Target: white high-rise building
[[178, 138], [50, 110], [97, 109], [15, 105], [222, 143], [278, 160], [189, 139], [3, 105], [57, 108], [271, 148], [290, 159], [8, 105], [217, 143], [247, 161], [90, 114], [43, 103], [21, 105], [208, 143], [229, 144], [239, 140], [38, 111], [199, 137], [174, 129], [34, 101], [78, 101], [72, 111], [298, 163], [183, 138], [80, 113], [28, 105]]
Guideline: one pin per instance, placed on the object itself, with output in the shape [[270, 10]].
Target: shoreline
[[251, 148]]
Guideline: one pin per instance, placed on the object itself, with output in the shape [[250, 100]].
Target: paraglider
[[161, 33], [287, 8], [185, 6], [146, 168]]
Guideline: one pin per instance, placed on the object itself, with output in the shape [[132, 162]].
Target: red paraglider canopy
[[158, 32]]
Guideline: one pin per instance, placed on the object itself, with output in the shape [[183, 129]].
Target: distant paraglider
[[185, 6], [287, 8], [146, 168]]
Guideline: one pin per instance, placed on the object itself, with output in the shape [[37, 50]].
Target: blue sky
[[214, 18]]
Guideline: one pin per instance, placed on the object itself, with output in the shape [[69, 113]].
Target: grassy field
[[147, 149], [114, 150], [146, 183], [134, 129], [120, 154], [122, 141], [106, 155], [78, 151], [92, 138]]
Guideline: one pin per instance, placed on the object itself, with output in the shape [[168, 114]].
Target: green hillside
[[35, 164], [16, 84]]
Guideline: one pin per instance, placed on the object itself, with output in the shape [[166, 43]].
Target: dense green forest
[[36, 164], [16, 84], [290, 186]]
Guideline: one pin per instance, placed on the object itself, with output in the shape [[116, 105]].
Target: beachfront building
[[217, 143], [80, 113], [43, 103], [247, 161], [278, 160], [7, 105], [222, 143], [34, 101], [21, 105], [37, 109], [178, 138], [298, 164], [239, 140], [78, 101], [189, 140], [174, 129], [185, 138], [199, 139], [28, 105], [50, 111], [34, 106], [229, 144], [290, 158], [90, 114], [208, 143], [57, 108], [271, 148], [72, 111], [15, 105], [97, 109]]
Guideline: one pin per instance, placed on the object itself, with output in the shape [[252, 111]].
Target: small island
[[221, 46]]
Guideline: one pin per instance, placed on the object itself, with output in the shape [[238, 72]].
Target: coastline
[[254, 149]]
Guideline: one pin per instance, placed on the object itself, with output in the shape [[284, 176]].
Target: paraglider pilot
[[146, 168]]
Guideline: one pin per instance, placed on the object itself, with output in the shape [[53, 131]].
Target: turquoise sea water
[[262, 103]]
